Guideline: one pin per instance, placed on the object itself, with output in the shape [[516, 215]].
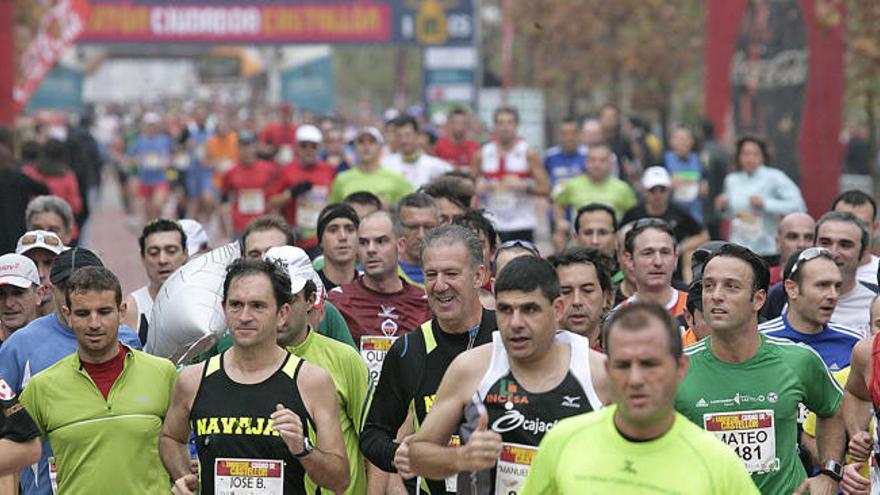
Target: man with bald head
[[379, 305], [795, 233]]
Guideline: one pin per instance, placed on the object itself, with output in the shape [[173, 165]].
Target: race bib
[[152, 161], [248, 477], [685, 192], [309, 205], [53, 474], [502, 201], [251, 201], [747, 225], [284, 155], [750, 434], [452, 481], [373, 351], [225, 165], [513, 467]]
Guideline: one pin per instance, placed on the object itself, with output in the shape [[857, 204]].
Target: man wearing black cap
[[42, 343], [246, 186], [337, 236]]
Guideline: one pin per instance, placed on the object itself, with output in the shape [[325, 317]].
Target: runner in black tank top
[[231, 422], [502, 398], [522, 417]]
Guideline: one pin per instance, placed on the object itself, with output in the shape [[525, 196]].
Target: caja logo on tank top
[[513, 419]]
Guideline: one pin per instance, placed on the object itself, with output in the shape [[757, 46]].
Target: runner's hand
[[401, 459], [721, 202], [288, 424], [854, 483], [860, 446], [482, 449], [756, 202], [817, 485], [185, 485]]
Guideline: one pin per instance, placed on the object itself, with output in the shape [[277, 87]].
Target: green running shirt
[[752, 406], [587, 454], [352, 380], [104, 446]]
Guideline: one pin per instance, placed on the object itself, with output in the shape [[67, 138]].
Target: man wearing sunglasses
[[42, 247], [303, 188], [812, 284]]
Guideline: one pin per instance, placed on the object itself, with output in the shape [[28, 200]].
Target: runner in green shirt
[[369, 175], [596, 186], [343, 363], [639, 445], [745, 387], [102, 407]]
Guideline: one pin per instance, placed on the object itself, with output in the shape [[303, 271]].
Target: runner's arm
[[327, 465], [18, 455], [430, 453], [19, 435], [174, 440], [599, 374], [541, 187], [385, 409], [857, 401], [830, 436]]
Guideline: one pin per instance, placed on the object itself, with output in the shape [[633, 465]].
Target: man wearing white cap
[[370, 175], [42, 247], [20, 293], [304, 186], [196, 237], [689, 234], [346, 368], [151, 153]]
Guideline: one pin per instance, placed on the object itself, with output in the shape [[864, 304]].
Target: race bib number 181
[[248, 477], [751, 434]]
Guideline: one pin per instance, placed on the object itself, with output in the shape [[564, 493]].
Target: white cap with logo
[[18, 270], [309, 134], [299, 267], [655, 176]]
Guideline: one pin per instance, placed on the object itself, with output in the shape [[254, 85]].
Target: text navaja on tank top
[[235, 426]]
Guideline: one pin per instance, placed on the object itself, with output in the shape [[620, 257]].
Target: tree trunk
[[870, 99]]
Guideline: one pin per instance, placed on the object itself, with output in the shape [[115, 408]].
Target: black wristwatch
[[308, 448], [833, 470]]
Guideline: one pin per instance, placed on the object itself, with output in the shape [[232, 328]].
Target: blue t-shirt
[[690, 172], [30, 350], [834, 343], [562, 166], [413, 272], [151, 152]]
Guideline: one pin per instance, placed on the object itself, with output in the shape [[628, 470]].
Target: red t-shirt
[[775, 274], [251, 187], [105, 374], [64, 186], [458, 154], [277, 134], [302, 212], [368, 312]]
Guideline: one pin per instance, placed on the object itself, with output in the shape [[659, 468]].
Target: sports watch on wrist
[[833, 470], [308, 448]]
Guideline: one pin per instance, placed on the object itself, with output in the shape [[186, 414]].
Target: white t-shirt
[[854, 309], [419, 172], [868, 273]]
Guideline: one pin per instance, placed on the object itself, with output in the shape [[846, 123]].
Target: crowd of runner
[[392, 326]]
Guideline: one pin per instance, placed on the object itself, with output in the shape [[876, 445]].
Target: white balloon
[[188, 312]]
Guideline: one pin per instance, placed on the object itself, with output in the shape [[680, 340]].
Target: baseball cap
[[655, 176], [70, 261], [39, 239], [151, 118], [18, 270], [308, 133], [196, 237], [246, 137], [370, 131], [299, 267]]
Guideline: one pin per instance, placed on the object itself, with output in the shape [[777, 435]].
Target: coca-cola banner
[[775, 68]]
